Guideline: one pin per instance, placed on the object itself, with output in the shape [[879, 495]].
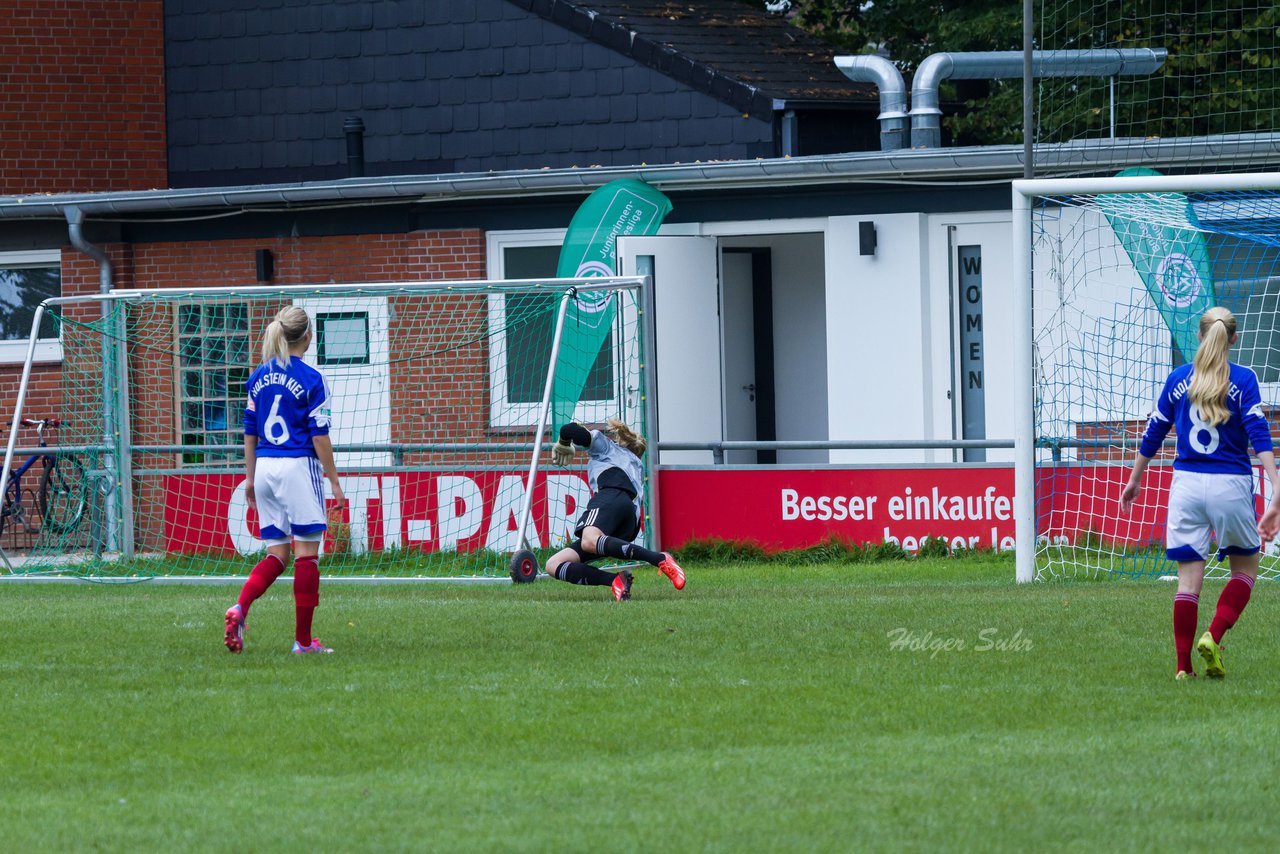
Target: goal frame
[[1023, 192], [115, 415]]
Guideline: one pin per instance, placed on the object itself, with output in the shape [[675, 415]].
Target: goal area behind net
[[1120, 271], [438, 391]]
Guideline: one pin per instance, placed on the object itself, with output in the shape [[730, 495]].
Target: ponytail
[[1211, 375], [626, 437], [290, 326]]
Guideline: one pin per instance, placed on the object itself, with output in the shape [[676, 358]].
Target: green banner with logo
[[1157, 231], [618, 209]]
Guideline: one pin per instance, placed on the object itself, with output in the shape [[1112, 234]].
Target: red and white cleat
[[234, 638], [314, 646], [672, 570], [622, 586]]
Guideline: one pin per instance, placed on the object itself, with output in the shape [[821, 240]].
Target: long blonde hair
[[290, 326], [626, 437], [1210, 378]]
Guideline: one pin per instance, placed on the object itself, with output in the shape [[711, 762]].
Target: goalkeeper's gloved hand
[[561, 453]]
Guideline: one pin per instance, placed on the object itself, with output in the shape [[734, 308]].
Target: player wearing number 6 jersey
[[287, 453], [1216, 408]]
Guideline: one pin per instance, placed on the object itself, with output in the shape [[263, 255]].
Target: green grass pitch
[[764, 708]]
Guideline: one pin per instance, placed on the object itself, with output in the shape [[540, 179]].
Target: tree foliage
[[1219, 77]]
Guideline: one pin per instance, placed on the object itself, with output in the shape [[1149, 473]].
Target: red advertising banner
[[431, 511], [785, 509], [777, 508], [970, 506]]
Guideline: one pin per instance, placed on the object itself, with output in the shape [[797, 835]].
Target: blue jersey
[[1222, 449], [287, 406]]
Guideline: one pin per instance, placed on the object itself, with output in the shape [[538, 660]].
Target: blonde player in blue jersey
[[1216, 408], [287, 452], [612, 518]]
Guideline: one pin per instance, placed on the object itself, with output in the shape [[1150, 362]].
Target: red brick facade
[[82, 105], [73, 390]]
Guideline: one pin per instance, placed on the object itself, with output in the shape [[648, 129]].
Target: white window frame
[[503, 414], [47, 349], [215, 453]]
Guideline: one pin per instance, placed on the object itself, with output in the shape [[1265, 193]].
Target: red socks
[[306, 589], [262, 576], [1232, 601], [306, 595], [1186, 608]]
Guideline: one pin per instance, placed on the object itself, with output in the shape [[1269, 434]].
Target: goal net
[[1121, 270], [437, 388]]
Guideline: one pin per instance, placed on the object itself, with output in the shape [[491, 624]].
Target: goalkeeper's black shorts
[[612, 511]]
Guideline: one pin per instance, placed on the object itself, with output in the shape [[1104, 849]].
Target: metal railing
[[720, 447]]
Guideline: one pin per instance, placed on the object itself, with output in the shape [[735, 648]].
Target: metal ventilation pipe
[[893, 95], [926, 125]]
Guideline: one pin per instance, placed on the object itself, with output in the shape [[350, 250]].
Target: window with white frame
[[26, 280], [213, 366], [518, 363]]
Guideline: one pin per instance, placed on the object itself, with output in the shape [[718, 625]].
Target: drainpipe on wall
[[926, 115], [893, 95], [117, 461]]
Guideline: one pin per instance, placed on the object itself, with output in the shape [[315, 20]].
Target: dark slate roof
[[258, 91], [726, 49]]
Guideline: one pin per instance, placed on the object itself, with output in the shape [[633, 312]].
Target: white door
[[981, 297], [350, 348], [687, 333]]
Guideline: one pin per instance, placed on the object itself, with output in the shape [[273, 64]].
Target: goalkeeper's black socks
[[584, 573], [618, 547]]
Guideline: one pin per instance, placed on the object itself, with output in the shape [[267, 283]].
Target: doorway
[[981, 288], [746, 316], [740, 335]]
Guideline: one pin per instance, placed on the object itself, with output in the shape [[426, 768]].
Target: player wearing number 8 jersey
[[1216, 409], [287, 455]]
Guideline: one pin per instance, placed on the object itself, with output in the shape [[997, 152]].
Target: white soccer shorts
[[290, 492], [1201, 505]]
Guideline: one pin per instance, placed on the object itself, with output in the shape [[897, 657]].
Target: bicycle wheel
[[63, 494], [11, 509]]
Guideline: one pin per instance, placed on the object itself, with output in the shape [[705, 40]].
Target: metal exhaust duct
[[926, 125], [893, 95]]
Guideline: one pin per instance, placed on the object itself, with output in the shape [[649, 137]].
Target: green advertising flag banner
[[618, 209], [1158, 232]]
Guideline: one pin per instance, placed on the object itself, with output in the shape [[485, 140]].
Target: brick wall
[[74, 388], [82, 105], [1119, 440], [45, 389]]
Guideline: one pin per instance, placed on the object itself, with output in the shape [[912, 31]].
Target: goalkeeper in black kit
[[612, 518]]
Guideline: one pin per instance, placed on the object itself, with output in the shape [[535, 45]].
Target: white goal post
[[125, 460], [1108, 273]]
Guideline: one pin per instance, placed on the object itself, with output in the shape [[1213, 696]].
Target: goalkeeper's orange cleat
[[234, 637], [622, 586], [672, 570]]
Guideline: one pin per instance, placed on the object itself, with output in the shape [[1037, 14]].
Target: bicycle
[[62, 495]]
